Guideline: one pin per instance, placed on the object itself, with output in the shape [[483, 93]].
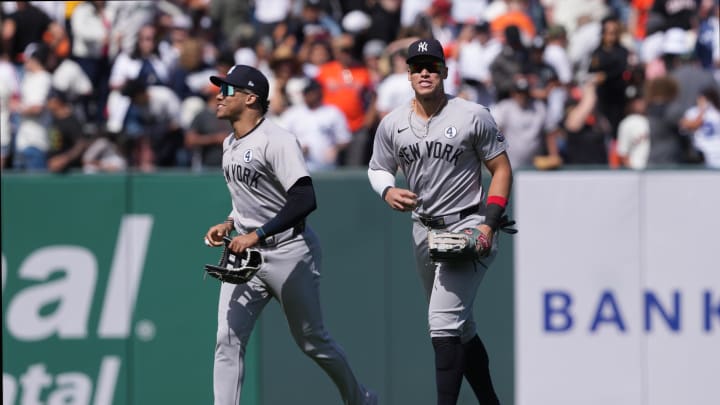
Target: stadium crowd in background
[[116, 85]]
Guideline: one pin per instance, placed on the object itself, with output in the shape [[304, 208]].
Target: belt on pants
[[274, 240], [446, 220]]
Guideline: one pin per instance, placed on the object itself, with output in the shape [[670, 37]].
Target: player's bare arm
[[500, 185]]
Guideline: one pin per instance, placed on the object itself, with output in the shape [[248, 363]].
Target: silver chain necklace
[[427, 124]]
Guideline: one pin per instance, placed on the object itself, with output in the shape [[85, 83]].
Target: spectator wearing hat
[[32, 141], [322, 129], [347, 85], [524, 121]]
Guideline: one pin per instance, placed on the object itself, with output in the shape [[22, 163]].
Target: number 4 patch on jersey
[[247, 156]]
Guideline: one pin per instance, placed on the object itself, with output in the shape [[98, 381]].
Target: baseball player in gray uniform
[[440, 144], [272, 193]]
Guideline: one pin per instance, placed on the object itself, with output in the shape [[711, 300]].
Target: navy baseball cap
[[245, 77], [425, 48]]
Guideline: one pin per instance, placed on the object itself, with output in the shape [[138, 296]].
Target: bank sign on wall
[[617, 288]]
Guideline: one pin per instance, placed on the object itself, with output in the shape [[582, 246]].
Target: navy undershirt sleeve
[[300, 203]]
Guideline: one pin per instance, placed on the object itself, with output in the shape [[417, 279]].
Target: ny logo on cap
[[250, 83], [422, 46]]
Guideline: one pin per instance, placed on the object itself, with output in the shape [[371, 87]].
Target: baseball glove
[[467, 244], [236, 268]]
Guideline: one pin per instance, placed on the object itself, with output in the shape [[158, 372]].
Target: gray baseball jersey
[[441, 159], [259, 168]]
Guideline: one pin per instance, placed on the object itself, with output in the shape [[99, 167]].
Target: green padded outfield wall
[[104, 300]]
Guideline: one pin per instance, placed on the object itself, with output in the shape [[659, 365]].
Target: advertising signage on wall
[[617, 293], [74, 312]]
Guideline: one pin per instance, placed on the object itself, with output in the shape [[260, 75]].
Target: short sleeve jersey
[[259, 168], [442, 158]]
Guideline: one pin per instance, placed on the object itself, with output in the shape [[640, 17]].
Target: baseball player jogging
[[271, 193], [440, 144]]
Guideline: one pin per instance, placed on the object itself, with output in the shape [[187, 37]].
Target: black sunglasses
[[228, 90], [432, 67]]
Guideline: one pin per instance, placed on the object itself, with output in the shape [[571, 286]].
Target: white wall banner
[[617, 288]]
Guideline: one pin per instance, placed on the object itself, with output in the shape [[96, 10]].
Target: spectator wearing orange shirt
[[347, 84], [516, 15]]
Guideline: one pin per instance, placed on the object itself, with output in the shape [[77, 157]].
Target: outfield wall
[[104, 300]]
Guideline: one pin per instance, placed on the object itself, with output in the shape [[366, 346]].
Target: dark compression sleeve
[[300, 203]]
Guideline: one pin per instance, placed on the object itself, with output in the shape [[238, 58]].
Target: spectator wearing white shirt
[[474, 59], [393, 89], [9, 90], [633, 139], [321, 129], [703, 121], [143, 62], [32, 140], [91, 29]]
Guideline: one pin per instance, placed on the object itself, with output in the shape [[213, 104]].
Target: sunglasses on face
[[432, 67], [228, 90]]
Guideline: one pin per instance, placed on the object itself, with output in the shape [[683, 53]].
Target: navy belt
[[444, 220]]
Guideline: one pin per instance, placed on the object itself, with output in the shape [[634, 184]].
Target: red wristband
[[496, 199]]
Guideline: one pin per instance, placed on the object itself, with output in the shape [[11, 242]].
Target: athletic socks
[[449, 366], [477, 371]]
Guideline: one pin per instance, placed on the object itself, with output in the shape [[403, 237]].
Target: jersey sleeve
[[383, 157], [285, 156], [489, 140]]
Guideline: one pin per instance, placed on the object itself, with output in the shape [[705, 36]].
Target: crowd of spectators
[[103, 86]]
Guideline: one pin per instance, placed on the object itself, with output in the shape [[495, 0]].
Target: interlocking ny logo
[[422, 46]]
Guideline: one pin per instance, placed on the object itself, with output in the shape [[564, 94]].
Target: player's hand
[[401, 199], [242, 242], [214, 235], [487, 230]]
